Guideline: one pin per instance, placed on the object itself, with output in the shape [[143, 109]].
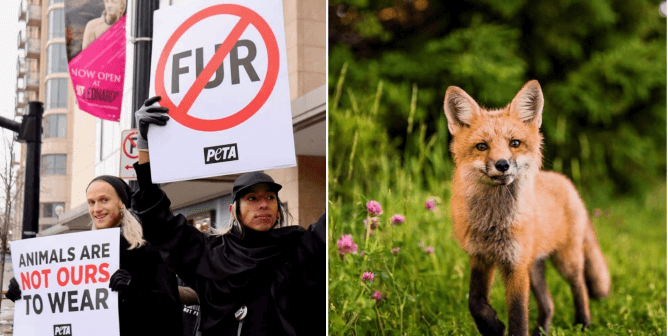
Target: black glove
[[14, 291], [149, 113], [120, 280]]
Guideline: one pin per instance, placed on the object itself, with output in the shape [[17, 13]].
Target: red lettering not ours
[[74, 275]]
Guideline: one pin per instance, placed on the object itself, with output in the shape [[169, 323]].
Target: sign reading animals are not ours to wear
[[221, 69], [64, 284]]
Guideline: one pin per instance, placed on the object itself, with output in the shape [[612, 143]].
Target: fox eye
[[514, 143], [481, 146]]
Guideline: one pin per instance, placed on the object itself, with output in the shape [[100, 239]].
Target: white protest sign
[[221, 69], [64, 282], [129, 154]]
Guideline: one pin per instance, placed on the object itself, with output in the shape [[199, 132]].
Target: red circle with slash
[[129, 137], [180, 112]]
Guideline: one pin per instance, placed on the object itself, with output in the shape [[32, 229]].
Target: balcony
[[24, 97], [21, 99], [21, 67], [34, 16], [20, 84], [31, 80], [33, 48], [22, 39], [23, 10]]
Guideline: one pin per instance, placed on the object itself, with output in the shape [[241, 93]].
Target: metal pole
[[31, 132], [142, 62]]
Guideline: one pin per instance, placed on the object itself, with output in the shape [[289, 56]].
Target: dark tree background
[[601, 64]]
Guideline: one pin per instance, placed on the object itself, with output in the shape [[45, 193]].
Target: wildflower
[[430, 204], [377, 295], [368, 276], [374, 222], [395, 250], [398, 219], [362, 254], [374, 208], [429, 250], [346, 245], [597, 212], [421, 244]]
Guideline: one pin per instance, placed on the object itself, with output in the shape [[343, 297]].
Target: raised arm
[[172, 234], [164, 230]]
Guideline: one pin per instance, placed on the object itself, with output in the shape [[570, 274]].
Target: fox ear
[[459, 109], [528, 104]]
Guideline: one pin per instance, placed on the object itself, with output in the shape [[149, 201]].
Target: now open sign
[[221, 69]]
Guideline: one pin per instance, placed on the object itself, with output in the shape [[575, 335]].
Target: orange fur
[[510, 215]]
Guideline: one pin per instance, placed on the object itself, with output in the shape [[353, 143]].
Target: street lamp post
[[29, 132]]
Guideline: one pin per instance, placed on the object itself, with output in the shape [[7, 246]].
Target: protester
[[148, 298], [257, 276]]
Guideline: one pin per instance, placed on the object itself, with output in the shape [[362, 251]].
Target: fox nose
[[502, 165]]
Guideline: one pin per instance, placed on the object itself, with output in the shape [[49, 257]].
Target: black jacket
[[278, 274], [150, 306]]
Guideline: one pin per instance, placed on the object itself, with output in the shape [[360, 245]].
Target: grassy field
[[421, 275]]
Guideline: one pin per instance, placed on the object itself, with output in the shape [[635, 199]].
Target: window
[[49, 209], [203, 221], [56, 126], [51, 2], [54, 164], [56, 23], [56, 58], [56, 93]]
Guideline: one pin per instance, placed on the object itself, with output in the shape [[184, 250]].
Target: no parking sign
[[221, 69]]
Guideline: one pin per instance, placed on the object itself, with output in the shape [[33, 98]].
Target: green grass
[[427, 293]]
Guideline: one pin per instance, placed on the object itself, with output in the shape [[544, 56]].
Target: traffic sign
[[129, 154], [220, 67]]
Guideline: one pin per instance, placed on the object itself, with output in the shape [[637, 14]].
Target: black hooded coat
[[279, 275]]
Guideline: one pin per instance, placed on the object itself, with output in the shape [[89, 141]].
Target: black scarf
[[233, 265]]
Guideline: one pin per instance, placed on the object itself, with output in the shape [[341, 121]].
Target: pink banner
[[98, 71]]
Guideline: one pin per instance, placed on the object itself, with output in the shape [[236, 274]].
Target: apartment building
[[76, 146]]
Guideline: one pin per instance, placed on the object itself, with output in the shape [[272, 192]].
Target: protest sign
[[64, 284], [221, 69]]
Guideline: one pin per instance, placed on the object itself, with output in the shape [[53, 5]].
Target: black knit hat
[[247, 180], [122, 189]]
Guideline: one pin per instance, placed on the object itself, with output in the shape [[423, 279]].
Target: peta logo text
[[221, 153], [62, 330]]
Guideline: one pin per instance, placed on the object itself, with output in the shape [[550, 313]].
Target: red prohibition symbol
[[180, 112], [132, 142]]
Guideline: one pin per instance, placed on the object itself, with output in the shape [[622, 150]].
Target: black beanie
[[122, 189]]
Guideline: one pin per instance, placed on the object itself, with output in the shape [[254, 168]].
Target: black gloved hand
[[120, 280], [149, 113], [14, 291]]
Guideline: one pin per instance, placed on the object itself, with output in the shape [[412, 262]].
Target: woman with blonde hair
[[148, 299]]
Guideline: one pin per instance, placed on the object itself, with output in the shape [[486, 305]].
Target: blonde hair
[[281, 220], [130, 229]]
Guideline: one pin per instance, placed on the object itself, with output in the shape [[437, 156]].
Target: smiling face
[[104, 205], [258, 209]]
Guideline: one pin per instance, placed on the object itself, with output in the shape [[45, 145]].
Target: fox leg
[[571, 265], [482, 277], [517, 299], [542, 294]]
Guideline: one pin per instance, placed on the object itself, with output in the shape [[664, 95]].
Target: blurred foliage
[[601, 64]]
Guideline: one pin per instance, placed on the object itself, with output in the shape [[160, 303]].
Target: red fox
[[510, 215]]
